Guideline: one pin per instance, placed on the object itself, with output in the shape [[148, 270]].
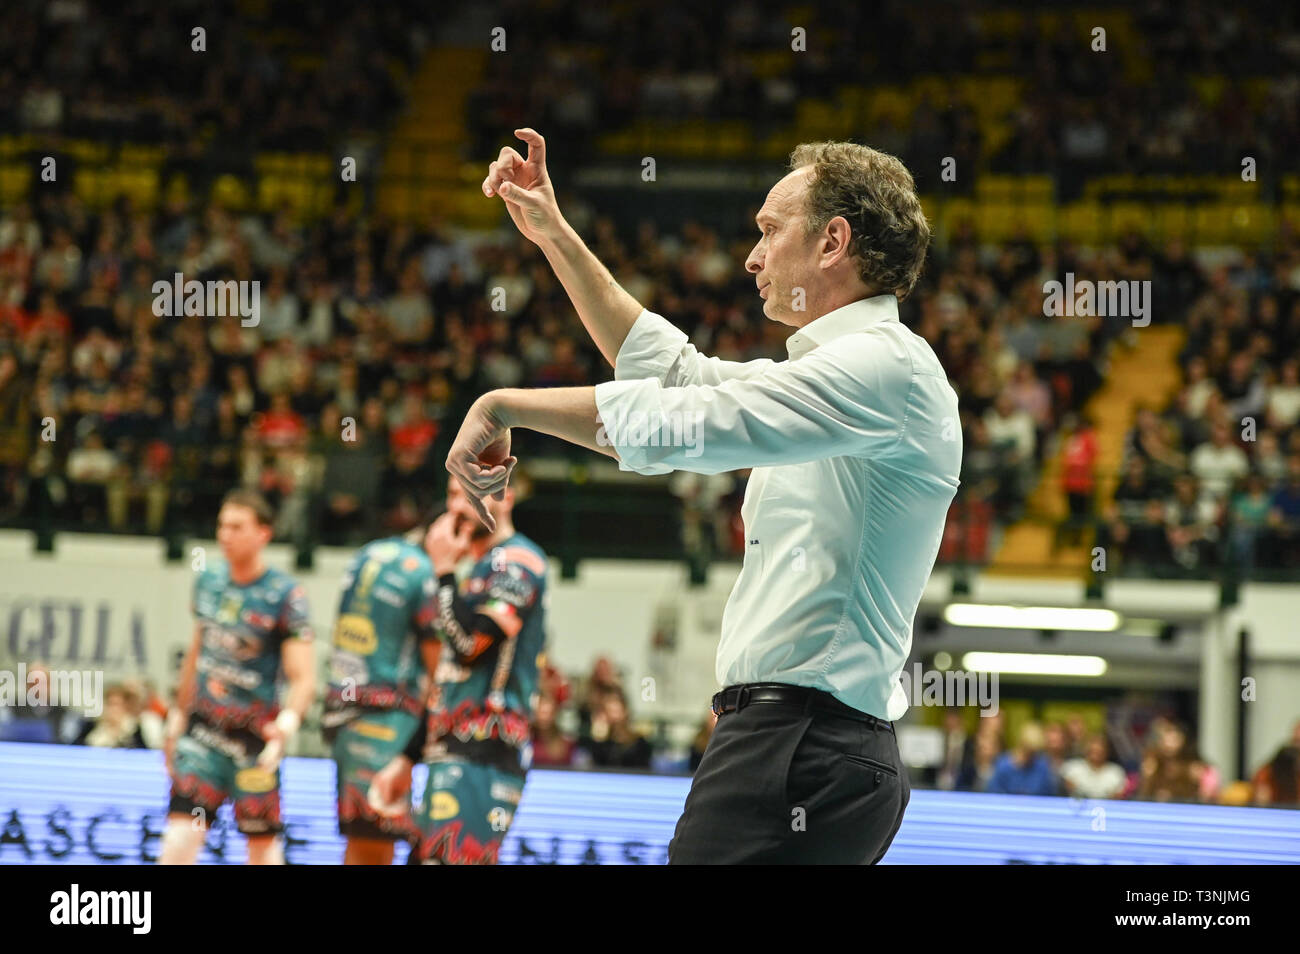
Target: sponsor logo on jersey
[[257, 620], [356, 634], [254, 780], [444, 806], [502, 792], [376, 731]]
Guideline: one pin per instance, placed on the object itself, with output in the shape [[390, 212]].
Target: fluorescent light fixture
[[1034, 664], [1032, 617]]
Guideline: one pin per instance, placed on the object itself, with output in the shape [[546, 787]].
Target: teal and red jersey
[[488, 669], [388, 605], [242, 628]]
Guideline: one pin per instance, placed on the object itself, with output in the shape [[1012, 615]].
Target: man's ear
[[836, 240]]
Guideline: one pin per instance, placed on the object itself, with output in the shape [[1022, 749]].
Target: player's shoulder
[[213, 575], [280, 583], [520, 551], [386, 550], [413, 559]]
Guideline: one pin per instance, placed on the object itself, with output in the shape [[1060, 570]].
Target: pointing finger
[[536, 144], [483, 515]]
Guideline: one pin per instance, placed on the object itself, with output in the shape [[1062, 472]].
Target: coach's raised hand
[[526, 188], [480, 457]]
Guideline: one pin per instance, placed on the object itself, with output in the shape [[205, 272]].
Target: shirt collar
[[855, 316]]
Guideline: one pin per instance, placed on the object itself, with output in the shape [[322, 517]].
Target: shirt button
[[879, 776]]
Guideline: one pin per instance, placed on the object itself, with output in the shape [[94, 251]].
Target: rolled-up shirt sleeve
[[656, 349], [847, 397]]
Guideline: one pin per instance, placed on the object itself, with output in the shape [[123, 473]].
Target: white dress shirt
[[855, 447]]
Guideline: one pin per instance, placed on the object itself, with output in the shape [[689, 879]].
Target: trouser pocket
[[873, 764]]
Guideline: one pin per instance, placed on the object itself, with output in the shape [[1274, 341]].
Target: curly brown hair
[[876, 195]]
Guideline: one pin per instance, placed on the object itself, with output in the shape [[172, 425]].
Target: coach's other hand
[[446, 543], [480, 457], [526, 188]]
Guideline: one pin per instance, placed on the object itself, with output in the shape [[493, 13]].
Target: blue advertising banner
[[73, 805]]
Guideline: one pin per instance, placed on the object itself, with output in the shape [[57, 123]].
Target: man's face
[[239, 533], [458, 503], [784, 258]]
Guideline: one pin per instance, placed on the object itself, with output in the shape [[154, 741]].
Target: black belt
[[734, 698]]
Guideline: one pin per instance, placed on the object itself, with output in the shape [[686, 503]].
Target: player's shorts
[[361, 747], [466, 811], [212, 765]]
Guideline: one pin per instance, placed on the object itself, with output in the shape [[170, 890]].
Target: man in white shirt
[[855, 447], [1094, 775]]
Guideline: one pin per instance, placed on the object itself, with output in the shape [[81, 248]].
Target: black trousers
[[786, 784]]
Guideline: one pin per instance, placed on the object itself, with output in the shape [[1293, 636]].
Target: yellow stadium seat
[[954, 213], [1038, 188], [990, 188], [1125, 217], [15, 182], [1038, 219], [1080, 222], [1173, 220]]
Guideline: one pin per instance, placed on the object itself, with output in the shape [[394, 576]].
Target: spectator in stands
[[602, 681], [978, 771], [1056, 745], [551, 746], [117, 727], [408, 314], [1094, 775], [1191, 526], [1076, 730], [1026, 769], [612, 742], [351, 465], [1078, 478], [1277, 782], [1248, 515], [1170, 771], [957, 750], [1150, 439], [1283, 408], [1283, 537], [1218, 464], [1012, 430], [1268, 460]]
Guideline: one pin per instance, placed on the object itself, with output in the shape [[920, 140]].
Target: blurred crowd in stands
[[1079, 114], [1214, 479], [372, 338], [1150, 760], [265, 76]]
